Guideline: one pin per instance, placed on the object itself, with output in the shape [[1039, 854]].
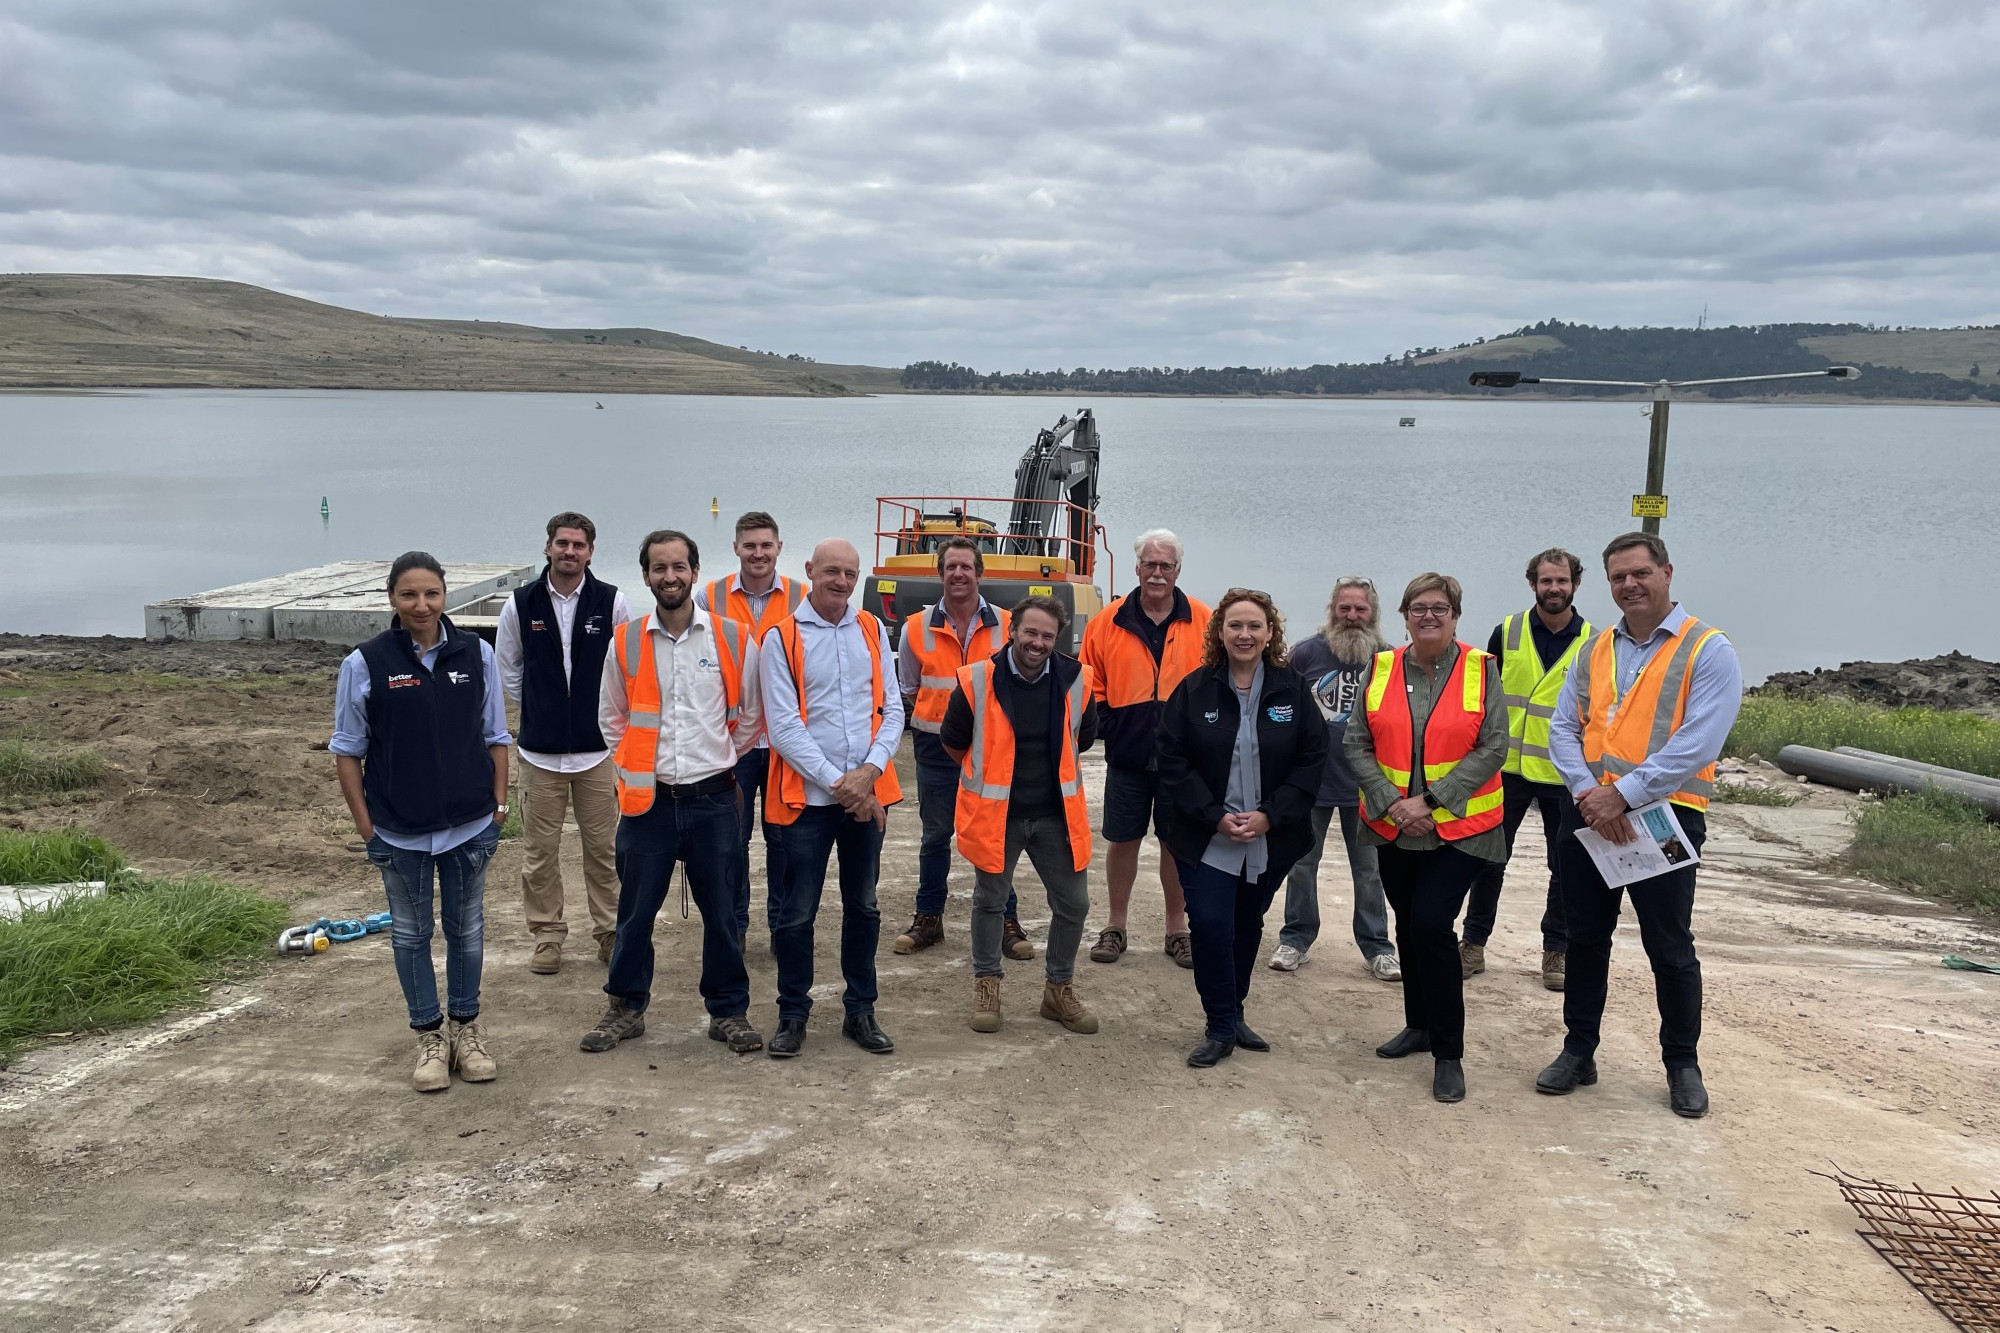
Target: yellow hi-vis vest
[[1531, 693]]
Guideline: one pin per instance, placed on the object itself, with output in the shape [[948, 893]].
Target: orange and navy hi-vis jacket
[[1450, 734], [1130, 684], [785, 789], [638, 748]]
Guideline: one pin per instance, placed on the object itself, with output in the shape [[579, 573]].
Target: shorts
[[1130, 794]]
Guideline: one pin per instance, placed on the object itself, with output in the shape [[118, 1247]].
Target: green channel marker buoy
[[324, 509]]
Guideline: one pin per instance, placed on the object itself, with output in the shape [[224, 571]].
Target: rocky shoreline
[[1953, 681]]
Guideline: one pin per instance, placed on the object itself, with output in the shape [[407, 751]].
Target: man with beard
[[1335, 664], [681, 704], [550, 647], [1536, 649]]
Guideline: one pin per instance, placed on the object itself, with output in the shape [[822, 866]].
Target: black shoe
[[1686, 1093], [1407, 1042], [863, 1031], [1247, 1038], [1565, 1074], [787, 1040], [1448, 1081], [1205, 1055]]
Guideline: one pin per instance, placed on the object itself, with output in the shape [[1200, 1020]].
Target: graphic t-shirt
[[1336, 686]]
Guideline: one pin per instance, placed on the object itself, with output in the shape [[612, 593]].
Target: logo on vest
[[1212, 715], [1279, 712], [594, 625], [538, 627], [400, 679], [457, 677]]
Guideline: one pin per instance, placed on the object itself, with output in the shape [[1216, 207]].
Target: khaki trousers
[[545, 797]]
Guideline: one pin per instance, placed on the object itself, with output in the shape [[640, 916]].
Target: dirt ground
[[263, 1165]]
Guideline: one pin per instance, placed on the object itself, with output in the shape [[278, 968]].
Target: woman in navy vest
[[420, 738]]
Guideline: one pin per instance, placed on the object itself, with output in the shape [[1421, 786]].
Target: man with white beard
[[1335, 664]]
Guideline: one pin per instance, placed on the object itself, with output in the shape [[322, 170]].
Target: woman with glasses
[[1241, 746], [1428, 762]]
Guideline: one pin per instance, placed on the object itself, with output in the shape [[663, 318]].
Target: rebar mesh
[[1946, 1245]]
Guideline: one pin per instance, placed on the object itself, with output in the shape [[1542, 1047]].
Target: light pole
[[1651, 507]]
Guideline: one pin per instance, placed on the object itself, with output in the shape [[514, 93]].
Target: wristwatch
[[1431, 800], [501, 809]]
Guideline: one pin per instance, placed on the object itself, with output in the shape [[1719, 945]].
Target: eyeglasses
[[1159, 566], [1428, 612], [1353, 581]]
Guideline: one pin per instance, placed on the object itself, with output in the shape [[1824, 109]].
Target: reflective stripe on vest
[[1531, 698], [986, 773], [785, 789], [786, 594], [1620, 734], [637, 758], [1123, 665], [1449, 732], [939, 657]]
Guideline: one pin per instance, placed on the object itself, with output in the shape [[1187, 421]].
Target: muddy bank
[[213, 660], [1952, 681]]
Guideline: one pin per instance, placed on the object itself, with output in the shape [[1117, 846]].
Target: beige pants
[[545, 796]]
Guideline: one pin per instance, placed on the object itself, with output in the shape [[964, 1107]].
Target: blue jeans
[[461, 904], [809, 841], [1371, 909], [937, 807], [700, 833], [1226, 925], [753, 775]]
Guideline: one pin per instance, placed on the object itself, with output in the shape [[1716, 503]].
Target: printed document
[[1662, 845]]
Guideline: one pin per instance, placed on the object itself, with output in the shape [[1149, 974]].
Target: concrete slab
[[243, 610], [18, 898], [351, 615]]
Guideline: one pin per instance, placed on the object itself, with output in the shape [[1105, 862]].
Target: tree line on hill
[[1587, 352]]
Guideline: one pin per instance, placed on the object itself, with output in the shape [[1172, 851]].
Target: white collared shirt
[[695, 739], [508, 649], [758, 601], [835, 737]]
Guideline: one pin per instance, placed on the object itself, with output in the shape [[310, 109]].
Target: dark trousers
[[809, 841], [937, 808], [1426, 889], [1665, 908], [698, 832], [1226, 924], [1520, 794], [753, 774]]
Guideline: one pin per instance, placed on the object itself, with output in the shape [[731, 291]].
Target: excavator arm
[[1061, 465]]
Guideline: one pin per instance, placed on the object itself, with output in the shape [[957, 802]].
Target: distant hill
[[1944, 365], [85, 330]]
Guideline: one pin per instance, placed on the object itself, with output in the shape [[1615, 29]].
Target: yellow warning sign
[[1041, 590], [1649, 506], [885, 585]]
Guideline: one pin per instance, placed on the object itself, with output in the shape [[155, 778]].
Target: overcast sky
[[1089, 182]]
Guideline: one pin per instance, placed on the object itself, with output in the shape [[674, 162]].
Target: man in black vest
[[551, 644]]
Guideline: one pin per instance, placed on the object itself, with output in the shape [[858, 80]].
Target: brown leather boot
[[1555, 969], [925, 930], [986, 1004], [1060, 1005], [1014, 941]]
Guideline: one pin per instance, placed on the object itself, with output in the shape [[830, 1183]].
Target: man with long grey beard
[[1335, 664]]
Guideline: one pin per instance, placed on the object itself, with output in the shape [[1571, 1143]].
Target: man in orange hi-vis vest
[[678, 704], [1641, 718], [834, 716]]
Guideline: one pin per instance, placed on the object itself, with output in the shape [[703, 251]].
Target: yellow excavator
[[1049, 542]]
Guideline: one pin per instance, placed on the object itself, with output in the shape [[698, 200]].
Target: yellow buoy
[[715, 505]]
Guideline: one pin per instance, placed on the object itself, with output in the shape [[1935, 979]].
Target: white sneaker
[[1384, 967], [1287, 959], [433, 1071]]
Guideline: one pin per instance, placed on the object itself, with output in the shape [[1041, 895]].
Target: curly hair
[[1214, 654]]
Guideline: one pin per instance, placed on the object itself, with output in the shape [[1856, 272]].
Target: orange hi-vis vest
[[939, 656], [638, 748], [785, 789], [786, 594], [1450, 734], [1124, 666], [986, 773], [1619, 734]]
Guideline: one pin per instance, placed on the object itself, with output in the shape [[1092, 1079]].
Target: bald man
[[834, 716]]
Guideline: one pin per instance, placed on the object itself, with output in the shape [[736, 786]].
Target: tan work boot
[[1060, 1005], [1471, 960], [604, 943], [433, 1072], [925, 930], [986, 1004], [620, 1023], [1014, 941], [469, 1057], [1555, 969], [546, 961]]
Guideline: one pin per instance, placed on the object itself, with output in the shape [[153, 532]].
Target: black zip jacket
[[1198, 741]]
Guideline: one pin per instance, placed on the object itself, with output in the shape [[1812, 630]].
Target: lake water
[[1813, 534]]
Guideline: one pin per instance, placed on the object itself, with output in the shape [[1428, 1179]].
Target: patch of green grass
[[32, 770], [1769, 722], [128, 956], [511, 826], [1735, 793], [1933, 843], [57, 858]]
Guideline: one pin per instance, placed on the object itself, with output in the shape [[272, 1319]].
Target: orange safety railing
[[907, 525]]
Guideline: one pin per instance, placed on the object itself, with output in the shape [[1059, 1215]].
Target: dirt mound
[[1953, 681], [210, 660]]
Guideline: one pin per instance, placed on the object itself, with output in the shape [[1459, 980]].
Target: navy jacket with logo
[[558, 712], [1197, 741], [427, 769]]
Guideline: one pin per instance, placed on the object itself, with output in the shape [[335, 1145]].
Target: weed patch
[[30, 770], [1736, 793], [57, 858], [1933, 843], [1769, 722]]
